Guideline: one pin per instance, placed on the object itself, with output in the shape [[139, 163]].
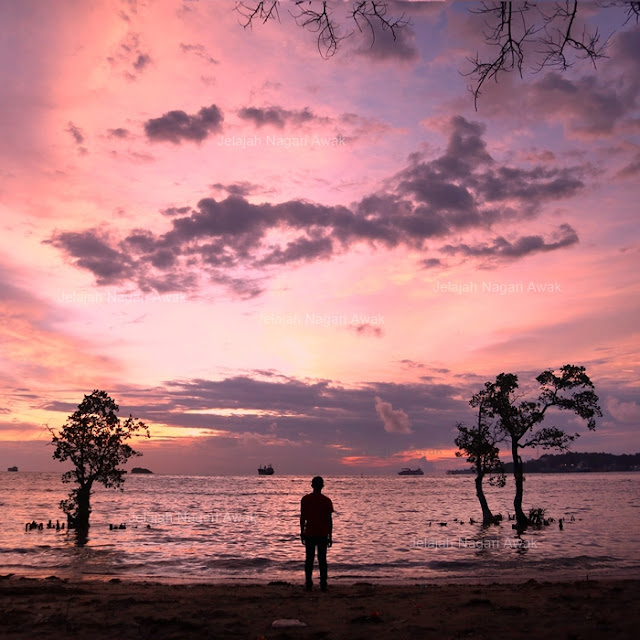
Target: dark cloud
[[140, 241], [279, 117], [367, 329], [243, 188], [316, 410], [565, 236], [466, 149], [198, 50], [129, 58], [412, 364], [381, 44], [529, 185], [431, 263], [176, 126], [626, 50], [242, 287], [300, 250], [62, 407], [350, 126], [76, 132], [309, 403], [234, 242], [78, 137], [465, 188], [92, 251], [175, 211], [142, 61], [588, 103], [267, 408], [118, 133], [134, 260], [594, 106]]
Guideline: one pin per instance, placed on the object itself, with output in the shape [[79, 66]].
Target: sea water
[[386, 528]]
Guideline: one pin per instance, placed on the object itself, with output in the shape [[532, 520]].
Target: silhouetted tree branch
[[262, 11], [508, 30], [318, 17], [633, 9], [548, 32], [558, 40], [550, 26], [369, 14]]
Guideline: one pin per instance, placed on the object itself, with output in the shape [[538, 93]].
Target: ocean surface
[[386, 529]]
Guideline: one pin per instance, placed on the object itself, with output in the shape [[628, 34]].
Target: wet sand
[[54, 608]]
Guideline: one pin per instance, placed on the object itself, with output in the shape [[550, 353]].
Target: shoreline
[[503, 577], [117, 608]]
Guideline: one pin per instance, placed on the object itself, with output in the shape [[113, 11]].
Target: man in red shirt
[[316, 527]]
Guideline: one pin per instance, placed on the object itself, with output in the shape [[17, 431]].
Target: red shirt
[[316, 510]]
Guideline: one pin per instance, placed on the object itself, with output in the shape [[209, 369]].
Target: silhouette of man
[[316, 527]]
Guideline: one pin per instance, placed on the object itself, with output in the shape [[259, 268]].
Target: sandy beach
[[94, 609]]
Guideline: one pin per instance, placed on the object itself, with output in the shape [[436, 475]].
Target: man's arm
[[329, 537], [302, 523]]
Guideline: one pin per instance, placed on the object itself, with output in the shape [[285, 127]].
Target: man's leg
[[322, 562], [310, 546]]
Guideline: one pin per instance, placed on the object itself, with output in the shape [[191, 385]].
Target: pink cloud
[[395, 420]]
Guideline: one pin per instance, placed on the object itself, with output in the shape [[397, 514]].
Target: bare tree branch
[[367, 14], [320, 21], [633, 9], [317, 16], [264, 10], [552, 26], [508, 30], [549, 31], [558, 40]]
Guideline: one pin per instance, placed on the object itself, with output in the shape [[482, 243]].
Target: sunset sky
[[271, 257]]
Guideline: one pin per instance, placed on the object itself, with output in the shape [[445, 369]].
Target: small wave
[[447, 565], [238, 563]]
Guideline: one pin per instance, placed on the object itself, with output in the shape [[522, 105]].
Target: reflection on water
[[386, 528]]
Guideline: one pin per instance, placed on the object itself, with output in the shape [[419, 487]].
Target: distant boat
[[266, 470], [12, 469], [411, 472]]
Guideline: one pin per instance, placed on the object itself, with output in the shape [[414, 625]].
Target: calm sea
[[245, 529]]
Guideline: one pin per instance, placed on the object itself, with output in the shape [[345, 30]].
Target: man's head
[[317, 483]]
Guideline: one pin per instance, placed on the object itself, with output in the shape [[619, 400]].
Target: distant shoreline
[[464, 472], [573, 462]]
